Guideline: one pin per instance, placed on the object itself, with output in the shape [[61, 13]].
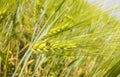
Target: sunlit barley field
[[58, 38]]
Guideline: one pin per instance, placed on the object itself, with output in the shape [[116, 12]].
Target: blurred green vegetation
[[58, 38]]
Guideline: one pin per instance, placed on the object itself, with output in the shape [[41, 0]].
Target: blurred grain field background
[[58, 38]]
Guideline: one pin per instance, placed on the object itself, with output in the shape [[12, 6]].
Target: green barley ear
[[58, 30], [50, 46], [37, 9], [66, 27]]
